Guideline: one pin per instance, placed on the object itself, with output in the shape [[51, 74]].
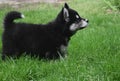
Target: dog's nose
[[87, 20]]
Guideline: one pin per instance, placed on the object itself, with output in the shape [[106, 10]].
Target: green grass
[[113, 4], [94, 53]]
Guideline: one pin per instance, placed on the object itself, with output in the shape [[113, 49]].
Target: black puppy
[[47, 41]]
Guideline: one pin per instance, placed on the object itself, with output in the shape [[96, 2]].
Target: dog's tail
[[10, 17]]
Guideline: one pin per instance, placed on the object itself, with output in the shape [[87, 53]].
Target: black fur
[[42, 40]]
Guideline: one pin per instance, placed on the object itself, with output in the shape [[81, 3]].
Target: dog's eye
[[77, 16]]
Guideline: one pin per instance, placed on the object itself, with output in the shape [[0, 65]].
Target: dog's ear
[[66, 6], [66, 12]]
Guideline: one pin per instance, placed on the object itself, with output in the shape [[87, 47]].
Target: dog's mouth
[[79, 25]]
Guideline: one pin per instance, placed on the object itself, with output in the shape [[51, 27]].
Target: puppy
[[47, 41]]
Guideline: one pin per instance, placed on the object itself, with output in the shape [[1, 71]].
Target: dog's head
[[73, 19]]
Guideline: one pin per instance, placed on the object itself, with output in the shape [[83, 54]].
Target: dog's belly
[[37, 47]]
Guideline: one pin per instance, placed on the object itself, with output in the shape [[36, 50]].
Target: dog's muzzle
[[83, 23], [79, 25]]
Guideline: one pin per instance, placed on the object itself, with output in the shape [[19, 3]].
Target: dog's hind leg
[[9, 50], [10, 53]]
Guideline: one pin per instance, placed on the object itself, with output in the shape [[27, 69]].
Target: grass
[[113, 4], [94, 53]]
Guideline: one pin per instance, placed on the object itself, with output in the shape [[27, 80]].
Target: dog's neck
[[61, 29]]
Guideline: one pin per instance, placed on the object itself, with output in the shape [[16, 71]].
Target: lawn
[[94, 52]]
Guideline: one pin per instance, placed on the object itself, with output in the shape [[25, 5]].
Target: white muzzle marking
[[81, 24]]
